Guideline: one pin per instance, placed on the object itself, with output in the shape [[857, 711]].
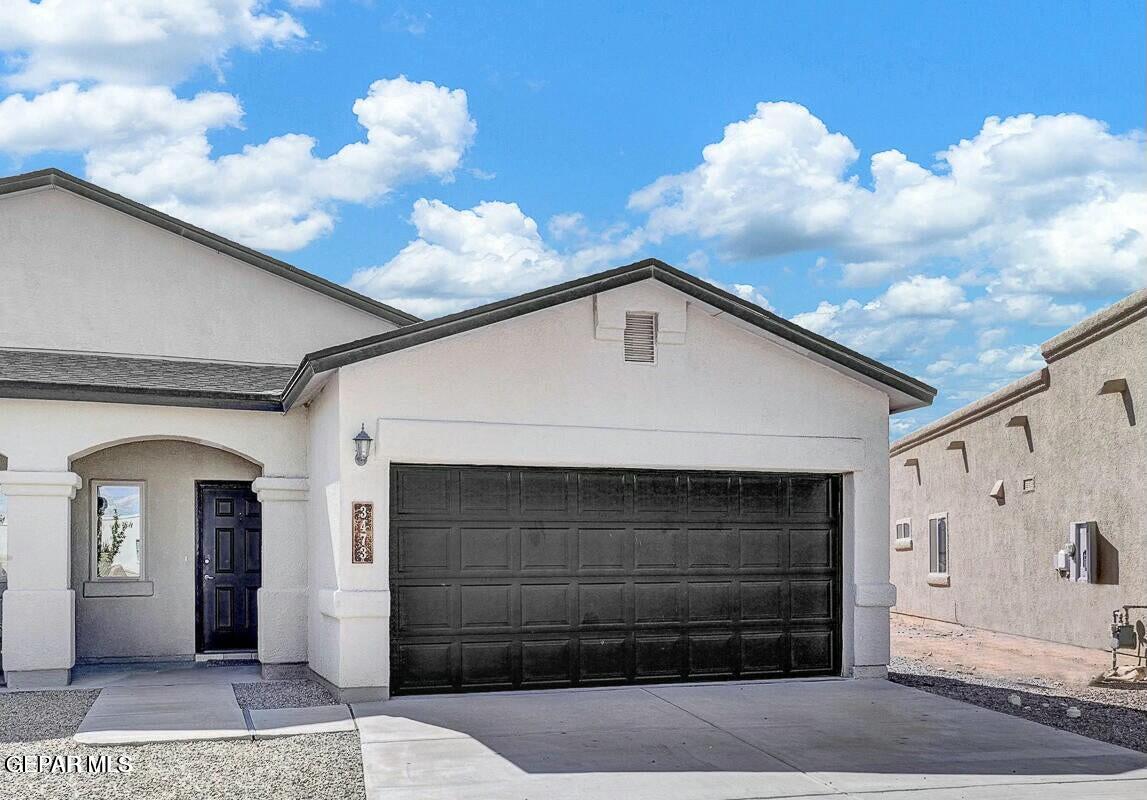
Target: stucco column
[[872, 593], [39, 606], [283, 594]]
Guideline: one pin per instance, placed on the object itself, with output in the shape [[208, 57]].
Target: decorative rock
[[1014, 699], [1074, 712]]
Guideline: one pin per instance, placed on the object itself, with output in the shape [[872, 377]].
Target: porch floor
[[139, 704]]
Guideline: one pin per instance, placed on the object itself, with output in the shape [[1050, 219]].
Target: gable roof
[[62, 180], [909, 392]]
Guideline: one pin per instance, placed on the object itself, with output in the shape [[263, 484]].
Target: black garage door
[[507, 578]]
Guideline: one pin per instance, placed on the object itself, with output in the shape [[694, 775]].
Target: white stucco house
[[634, 476]]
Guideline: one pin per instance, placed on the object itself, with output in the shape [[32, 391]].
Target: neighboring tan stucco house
[[634, 476], [1007, 481]]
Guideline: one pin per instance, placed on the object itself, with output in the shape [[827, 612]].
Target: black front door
[[230, 549]]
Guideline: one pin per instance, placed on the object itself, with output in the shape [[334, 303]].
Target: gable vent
[[640, 337]]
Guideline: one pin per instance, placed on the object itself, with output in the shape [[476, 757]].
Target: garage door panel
[[711, 547], [423, 490], [423, 549], [484, 549], [711, 494], [657, 549], [809, 496], [763, 654], [424, 608], [599, 493], [547, 662], [763, 548], [811, 547], [535, 577], [763, 601], [603, 659], [601, 549], [657, 493], [811, 651], [762, 495], [546, 605], [486, 606], [711, 654], [657, 602], [658, 656], [481, 491], [711, 601], [544, 491], [488, 663], [601, 604], [811, 599], [546, 549], [427, 665]]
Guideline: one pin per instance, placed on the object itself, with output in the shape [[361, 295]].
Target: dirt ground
[[969, 651]]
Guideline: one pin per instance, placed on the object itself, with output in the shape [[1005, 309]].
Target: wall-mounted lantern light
[[362, 442]]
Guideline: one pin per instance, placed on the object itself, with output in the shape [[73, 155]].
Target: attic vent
[[640, 336]]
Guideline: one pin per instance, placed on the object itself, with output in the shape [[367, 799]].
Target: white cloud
[[1052, 203], [71, 118], [746, 291], [908, 317], [132, 41], [462, 258], [465, 257], [152, 146]]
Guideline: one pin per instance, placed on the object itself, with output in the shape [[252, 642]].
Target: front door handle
[[208, 577]]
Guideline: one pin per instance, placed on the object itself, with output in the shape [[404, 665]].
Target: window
[[938, 544], [640, 337], [117, 530], [903, 534]]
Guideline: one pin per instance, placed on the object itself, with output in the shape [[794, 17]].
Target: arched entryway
[[136, 536]]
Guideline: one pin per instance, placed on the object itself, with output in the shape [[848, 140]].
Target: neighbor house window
[[938, 544], [903, 534], [117, 530]]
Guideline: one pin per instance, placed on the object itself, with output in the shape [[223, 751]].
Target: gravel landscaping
[[283, 694], [1116, 716], [40, 724]]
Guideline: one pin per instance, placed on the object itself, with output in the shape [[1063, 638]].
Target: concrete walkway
[[861, 739], [191, 702]]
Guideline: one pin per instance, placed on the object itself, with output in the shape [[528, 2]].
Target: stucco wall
[[1088, 463], [163, 624], [542, 389], [116, 284]]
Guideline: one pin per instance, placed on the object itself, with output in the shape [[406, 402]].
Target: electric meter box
[[1083, 563]]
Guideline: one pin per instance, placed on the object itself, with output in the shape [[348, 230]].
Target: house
[[634, 476], [1025, 511]]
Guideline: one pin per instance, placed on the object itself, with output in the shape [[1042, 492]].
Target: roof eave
[[152, 396]]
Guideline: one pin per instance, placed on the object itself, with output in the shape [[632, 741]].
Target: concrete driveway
[[829, 738]]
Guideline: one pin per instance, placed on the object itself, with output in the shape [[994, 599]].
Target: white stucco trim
[[344, 604], [39, 484], [875, 595], [477, 442], [286, 490]]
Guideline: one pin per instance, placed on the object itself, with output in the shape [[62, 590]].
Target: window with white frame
[[903, 530], [118, 529], [938, 544]]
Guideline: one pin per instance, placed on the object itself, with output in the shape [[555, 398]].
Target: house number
[[362, 544]]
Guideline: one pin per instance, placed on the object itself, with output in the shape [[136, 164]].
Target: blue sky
[[534, 141]]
